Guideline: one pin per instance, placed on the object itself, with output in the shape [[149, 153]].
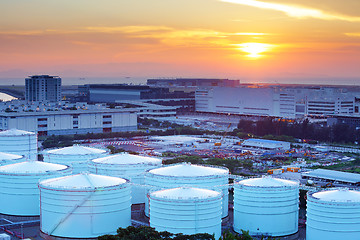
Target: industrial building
[[266, 144], [152, 101], [191, 82], [62, 122], [146, 109], [41, 88], [277, 101], [332, 176]]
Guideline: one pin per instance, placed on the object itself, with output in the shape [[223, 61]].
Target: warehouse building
[[275, 101], [266, 144], [63, 122], [332, 176]]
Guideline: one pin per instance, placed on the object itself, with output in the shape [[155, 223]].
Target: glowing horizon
[[238, 39]]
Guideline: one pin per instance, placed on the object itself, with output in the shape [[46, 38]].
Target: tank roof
[[189, 170], [125, 158], [267, 181], [15, 132], [185, 193], [9, 156], [76, 150], [31, 167], [82, 181], [338, 195]]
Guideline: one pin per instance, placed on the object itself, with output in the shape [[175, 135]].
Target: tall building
[[40, 88]]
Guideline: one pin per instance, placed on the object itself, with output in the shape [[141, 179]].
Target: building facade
[[288, 102], [71, 121], [41, 88]]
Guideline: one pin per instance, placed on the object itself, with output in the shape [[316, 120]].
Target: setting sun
[[254, 49]]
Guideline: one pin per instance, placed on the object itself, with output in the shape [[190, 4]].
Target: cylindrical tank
[[333, 214], [19, 193], [129, 166], [84, 205], [75, 156], [266, 206], [8, 158], [19, 142], [186, 210], [186, 174]]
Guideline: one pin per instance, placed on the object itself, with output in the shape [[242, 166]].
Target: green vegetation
[[350, 166], [232, 164], [280, 129], [114, 150], [148, 233], [58, 141]]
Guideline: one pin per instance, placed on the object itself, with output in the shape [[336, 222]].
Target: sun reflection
[[254, 50]]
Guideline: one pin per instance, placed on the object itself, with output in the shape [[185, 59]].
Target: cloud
[[356, 34], [295, 11]]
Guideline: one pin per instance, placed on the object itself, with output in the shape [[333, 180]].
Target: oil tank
[[266, 206], [129, 166], [186, 210], [19, 193], [19, 142], [8, 158], [84, 205], [76, 156], [333, 214], [186, 174]]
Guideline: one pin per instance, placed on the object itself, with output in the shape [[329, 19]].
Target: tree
[[149, 233]]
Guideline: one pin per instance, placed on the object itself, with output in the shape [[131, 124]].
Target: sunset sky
[[252, 40]]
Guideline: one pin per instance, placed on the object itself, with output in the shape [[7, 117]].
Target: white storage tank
[[186, 174], [8, 158], [84, 205], [333, 214], [186, 210], [19, 142], [266, 206], [129, 166], [75, 156], [19, 193]]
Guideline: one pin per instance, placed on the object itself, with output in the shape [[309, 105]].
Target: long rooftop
[[333, 175]]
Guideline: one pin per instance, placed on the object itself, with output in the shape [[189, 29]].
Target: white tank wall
[[266, 211], [134, 172], [186, 216], [219, 182], [79, 162], [25, 145], [19, 193], [332, 220], [85, 214]]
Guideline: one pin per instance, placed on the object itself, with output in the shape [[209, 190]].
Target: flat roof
[[333, 175], [262, 140], [67, 112]]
